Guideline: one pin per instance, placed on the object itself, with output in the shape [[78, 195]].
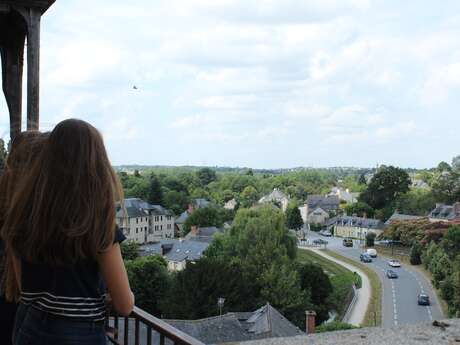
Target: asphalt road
[[399, 302]]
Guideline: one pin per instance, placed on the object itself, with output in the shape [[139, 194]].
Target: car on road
[[326, 233], [320, 242], [423, 299], [364, 257], [394, 263], [372, 252], [347, 242], [392, 274]]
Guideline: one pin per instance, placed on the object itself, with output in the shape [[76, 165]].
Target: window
[[137, 230], [161, 227], [145, 228], [137, 220], [161, 218]]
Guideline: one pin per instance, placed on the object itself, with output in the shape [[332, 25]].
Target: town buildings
[[354, 227], [177, 252], [318, 209], [277, 197], [143, 222]]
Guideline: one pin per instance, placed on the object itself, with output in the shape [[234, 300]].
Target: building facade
[[355, 227], [143, 222]]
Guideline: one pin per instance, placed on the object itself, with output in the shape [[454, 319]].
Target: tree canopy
[[385, 187]]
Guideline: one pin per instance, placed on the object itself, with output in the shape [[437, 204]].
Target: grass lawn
[[341, 279], [374, 311]]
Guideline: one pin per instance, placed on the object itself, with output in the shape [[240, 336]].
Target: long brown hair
[[24, 150], [64, 211]]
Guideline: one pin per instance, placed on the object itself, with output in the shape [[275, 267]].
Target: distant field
[[341, 279]]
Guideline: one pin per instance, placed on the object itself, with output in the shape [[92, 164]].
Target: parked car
[[347, 242], [392, 274], [372, 252], [364, 257], [394, 263], [326, 233], [423, 299], [320, 241]]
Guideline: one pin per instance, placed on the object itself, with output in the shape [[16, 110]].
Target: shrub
[[415, 254], [334, 326], [370, 239]]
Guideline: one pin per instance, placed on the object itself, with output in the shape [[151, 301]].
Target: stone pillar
[[33, 69], [310, 321]]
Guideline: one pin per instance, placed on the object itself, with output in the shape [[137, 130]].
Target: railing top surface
[[164, 328]]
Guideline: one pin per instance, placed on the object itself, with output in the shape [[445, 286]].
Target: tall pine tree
[[155, 196]]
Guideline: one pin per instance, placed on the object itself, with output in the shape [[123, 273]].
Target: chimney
[[194, 230], [364, 215], [310, 322], [162, 250]]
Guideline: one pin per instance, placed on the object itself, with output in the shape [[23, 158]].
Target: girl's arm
[[114, 273]]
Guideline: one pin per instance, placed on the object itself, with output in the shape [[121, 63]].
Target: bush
[[334, 326], [129, 250], [370, 239], [415, 254]]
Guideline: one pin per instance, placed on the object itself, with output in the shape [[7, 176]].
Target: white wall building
[[143, 222]]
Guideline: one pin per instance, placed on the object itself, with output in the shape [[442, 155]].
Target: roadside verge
[[357, 316], [373, 311]]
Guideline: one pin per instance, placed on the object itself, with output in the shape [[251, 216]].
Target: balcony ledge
[[417, 334]]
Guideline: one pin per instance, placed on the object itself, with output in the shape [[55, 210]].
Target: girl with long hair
[[25, 147], [60, 227]]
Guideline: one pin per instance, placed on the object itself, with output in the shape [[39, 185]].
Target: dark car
[[319, 241], [347, 242], [423, 299], [365, 257], [392, 274]]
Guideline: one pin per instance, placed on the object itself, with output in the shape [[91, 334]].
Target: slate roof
[[175, 250], [401, 217], [327, 203], [368, 223], [136, 207], [205, 234], [276, 195], [182, 218], [201, 203], [446, 212], [266, 322]]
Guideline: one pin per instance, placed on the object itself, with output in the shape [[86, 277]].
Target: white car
[[372, 252], [394, 263]]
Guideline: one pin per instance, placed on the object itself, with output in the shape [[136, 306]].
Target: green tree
[[370, 239], [416, 202], [175, 201], [196, 290], [362, 179], [155, 196], [248, 196], [446, 186], [314, 280], [150, 283], [456, 163], [451, 242], [361, 209], [206, 176], [294, 218], [415, 254], [136, 173], [129, 250], [443, 166], [385, 187], [203, 217]]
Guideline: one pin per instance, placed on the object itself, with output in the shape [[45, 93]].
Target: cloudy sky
[[272, 83]]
